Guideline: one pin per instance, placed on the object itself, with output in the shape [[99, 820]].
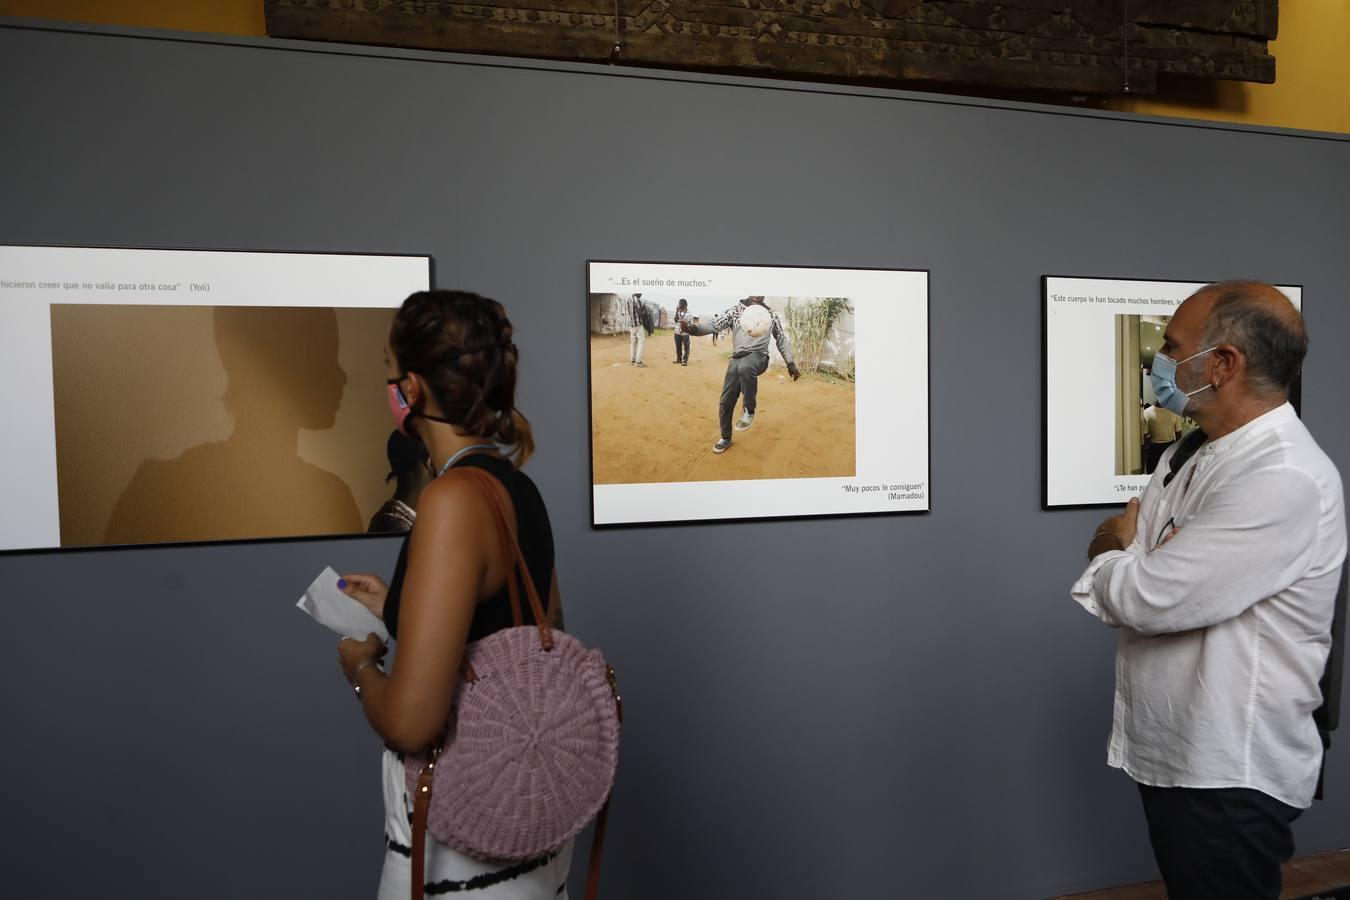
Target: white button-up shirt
[[1226, 627]]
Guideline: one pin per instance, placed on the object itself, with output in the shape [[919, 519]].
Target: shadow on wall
[[198, 423]]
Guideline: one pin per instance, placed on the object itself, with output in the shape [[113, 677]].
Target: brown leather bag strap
[[598, 839], [505, 511], [517, 570], [421, 804], [554, 597]]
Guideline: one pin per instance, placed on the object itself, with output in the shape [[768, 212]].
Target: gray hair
[[1274, 345]]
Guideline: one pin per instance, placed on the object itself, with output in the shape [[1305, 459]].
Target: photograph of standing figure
[[752, 324], [790, 360], [769, 422], [682, 333], [644, 318]]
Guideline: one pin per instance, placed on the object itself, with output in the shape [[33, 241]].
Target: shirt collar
[[1276, 417]]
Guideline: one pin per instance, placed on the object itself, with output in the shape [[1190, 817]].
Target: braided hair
[[460, 343]]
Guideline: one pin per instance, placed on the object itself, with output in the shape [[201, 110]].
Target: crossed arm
[[1250, 541]]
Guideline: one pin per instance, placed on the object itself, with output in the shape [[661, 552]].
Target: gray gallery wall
[[905, 707]]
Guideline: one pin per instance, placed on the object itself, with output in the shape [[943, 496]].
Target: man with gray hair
[[1222, 579]]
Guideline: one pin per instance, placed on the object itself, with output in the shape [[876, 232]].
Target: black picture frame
[[158, 545], [743, 520]]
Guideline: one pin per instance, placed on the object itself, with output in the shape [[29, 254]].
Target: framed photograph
[[182, 396], [1104, 433], [724, 392]]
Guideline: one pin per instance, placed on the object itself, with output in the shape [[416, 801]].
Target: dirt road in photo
[[659, 424]]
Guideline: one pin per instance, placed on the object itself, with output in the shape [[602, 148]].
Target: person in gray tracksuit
[[749, 360]]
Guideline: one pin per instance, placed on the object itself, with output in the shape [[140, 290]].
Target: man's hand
[[794, 371], [1117, 532], [1123, 525]]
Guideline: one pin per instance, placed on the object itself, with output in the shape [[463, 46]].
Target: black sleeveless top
[[536, 542]]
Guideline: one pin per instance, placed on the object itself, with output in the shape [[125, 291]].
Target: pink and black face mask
[[402, 411], [398, 406]]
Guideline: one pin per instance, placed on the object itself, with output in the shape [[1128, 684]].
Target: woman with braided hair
[[451, 371]]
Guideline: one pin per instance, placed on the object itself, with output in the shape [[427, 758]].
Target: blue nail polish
[[342, 584]]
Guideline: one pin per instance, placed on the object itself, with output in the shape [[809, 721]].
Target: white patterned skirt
[[451, 872]]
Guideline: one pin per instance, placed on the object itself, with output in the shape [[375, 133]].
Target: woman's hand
[[368, 590], [353, 653]]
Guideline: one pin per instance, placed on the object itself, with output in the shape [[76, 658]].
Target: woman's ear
[[412, 388]]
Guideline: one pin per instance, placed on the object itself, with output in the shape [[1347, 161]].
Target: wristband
[[356, 685]]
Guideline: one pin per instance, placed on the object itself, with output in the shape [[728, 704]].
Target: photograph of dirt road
[[657, 418]]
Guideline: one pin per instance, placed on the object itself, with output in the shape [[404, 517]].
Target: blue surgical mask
[[1163, 376]]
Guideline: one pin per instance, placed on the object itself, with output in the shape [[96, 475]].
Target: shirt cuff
[[1084, 590]]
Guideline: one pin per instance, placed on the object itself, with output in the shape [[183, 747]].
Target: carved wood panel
[[1079, 46]]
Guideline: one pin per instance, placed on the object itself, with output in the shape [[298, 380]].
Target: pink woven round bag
[[533, 738]]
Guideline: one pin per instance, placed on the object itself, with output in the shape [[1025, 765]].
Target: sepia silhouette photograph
[[198, 423]]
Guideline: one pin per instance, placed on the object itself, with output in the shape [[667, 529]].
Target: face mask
[[1163, 377], [398, 407], [402, 411]]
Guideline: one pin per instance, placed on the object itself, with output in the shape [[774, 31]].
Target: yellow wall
[[215, 16], [1312, 78], [1312, 90]]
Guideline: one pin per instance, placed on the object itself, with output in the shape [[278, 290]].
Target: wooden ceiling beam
[[1074, 46]]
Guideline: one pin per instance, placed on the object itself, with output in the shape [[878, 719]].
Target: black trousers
[[682, 347], [742, 379], [1219, 843]]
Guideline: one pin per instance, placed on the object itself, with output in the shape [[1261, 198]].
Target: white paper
[[335, 610]]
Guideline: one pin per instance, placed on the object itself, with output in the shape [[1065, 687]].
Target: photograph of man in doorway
[[1162, 428], [749, 360]]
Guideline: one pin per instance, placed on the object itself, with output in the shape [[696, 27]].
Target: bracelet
[[356, 685]]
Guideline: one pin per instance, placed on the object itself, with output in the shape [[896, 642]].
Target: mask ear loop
[[1188, 359], [497, 345]]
